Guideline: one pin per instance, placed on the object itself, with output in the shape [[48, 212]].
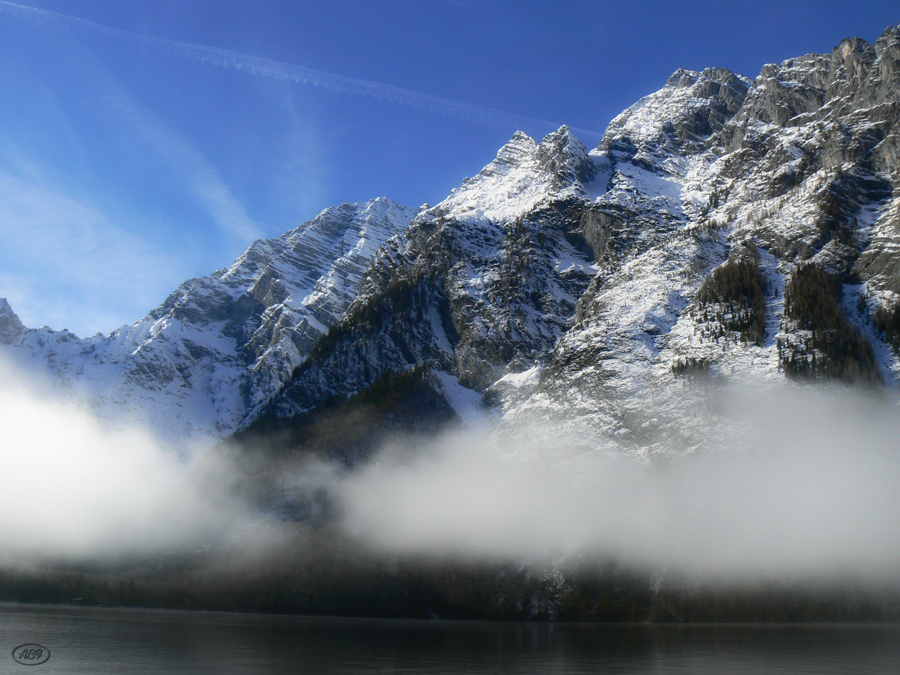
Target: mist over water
[[810, 489], [74, 488]]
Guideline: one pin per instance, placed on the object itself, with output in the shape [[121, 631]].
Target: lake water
[[97, 641]]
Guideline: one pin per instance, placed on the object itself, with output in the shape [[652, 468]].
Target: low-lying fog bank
[[796, 520]]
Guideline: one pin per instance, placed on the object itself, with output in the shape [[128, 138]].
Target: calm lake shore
[[104, 640]]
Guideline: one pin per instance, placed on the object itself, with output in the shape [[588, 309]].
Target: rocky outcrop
[[10, 325], [788, 166], [680, 119]]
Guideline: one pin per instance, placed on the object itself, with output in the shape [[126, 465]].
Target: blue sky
[[144, 143]]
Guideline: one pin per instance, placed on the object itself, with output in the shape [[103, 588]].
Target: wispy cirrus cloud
[[278, 70], [62, 258], [200, 177], [73, 258], [67, 261]]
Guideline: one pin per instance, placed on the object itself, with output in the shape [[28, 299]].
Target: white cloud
[[201, 178], [71, 488], [63, 259], [815, 494], [68, 263], [298, 184]]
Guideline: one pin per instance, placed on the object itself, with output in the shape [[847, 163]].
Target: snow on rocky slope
[[220, 346], [798, 167], [480, 285]]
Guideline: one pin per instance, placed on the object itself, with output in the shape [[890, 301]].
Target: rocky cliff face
[[480, 285], [10, 325], [724, 230]]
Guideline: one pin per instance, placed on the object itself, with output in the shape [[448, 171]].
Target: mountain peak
[[612, 289], [854, 48], [220, 346], [684, 115], [565, 157], [10, 324], [889, 38], [682, 78], [519, 148], [523, 175]]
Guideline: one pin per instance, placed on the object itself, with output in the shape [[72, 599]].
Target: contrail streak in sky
[[287, 72]]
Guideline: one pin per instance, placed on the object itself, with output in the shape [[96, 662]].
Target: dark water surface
[[87, 641]]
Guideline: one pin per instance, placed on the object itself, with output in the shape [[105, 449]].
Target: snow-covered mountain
[[724, 230], [480, 285], [221, 346], [588, 291], [799, 167]]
